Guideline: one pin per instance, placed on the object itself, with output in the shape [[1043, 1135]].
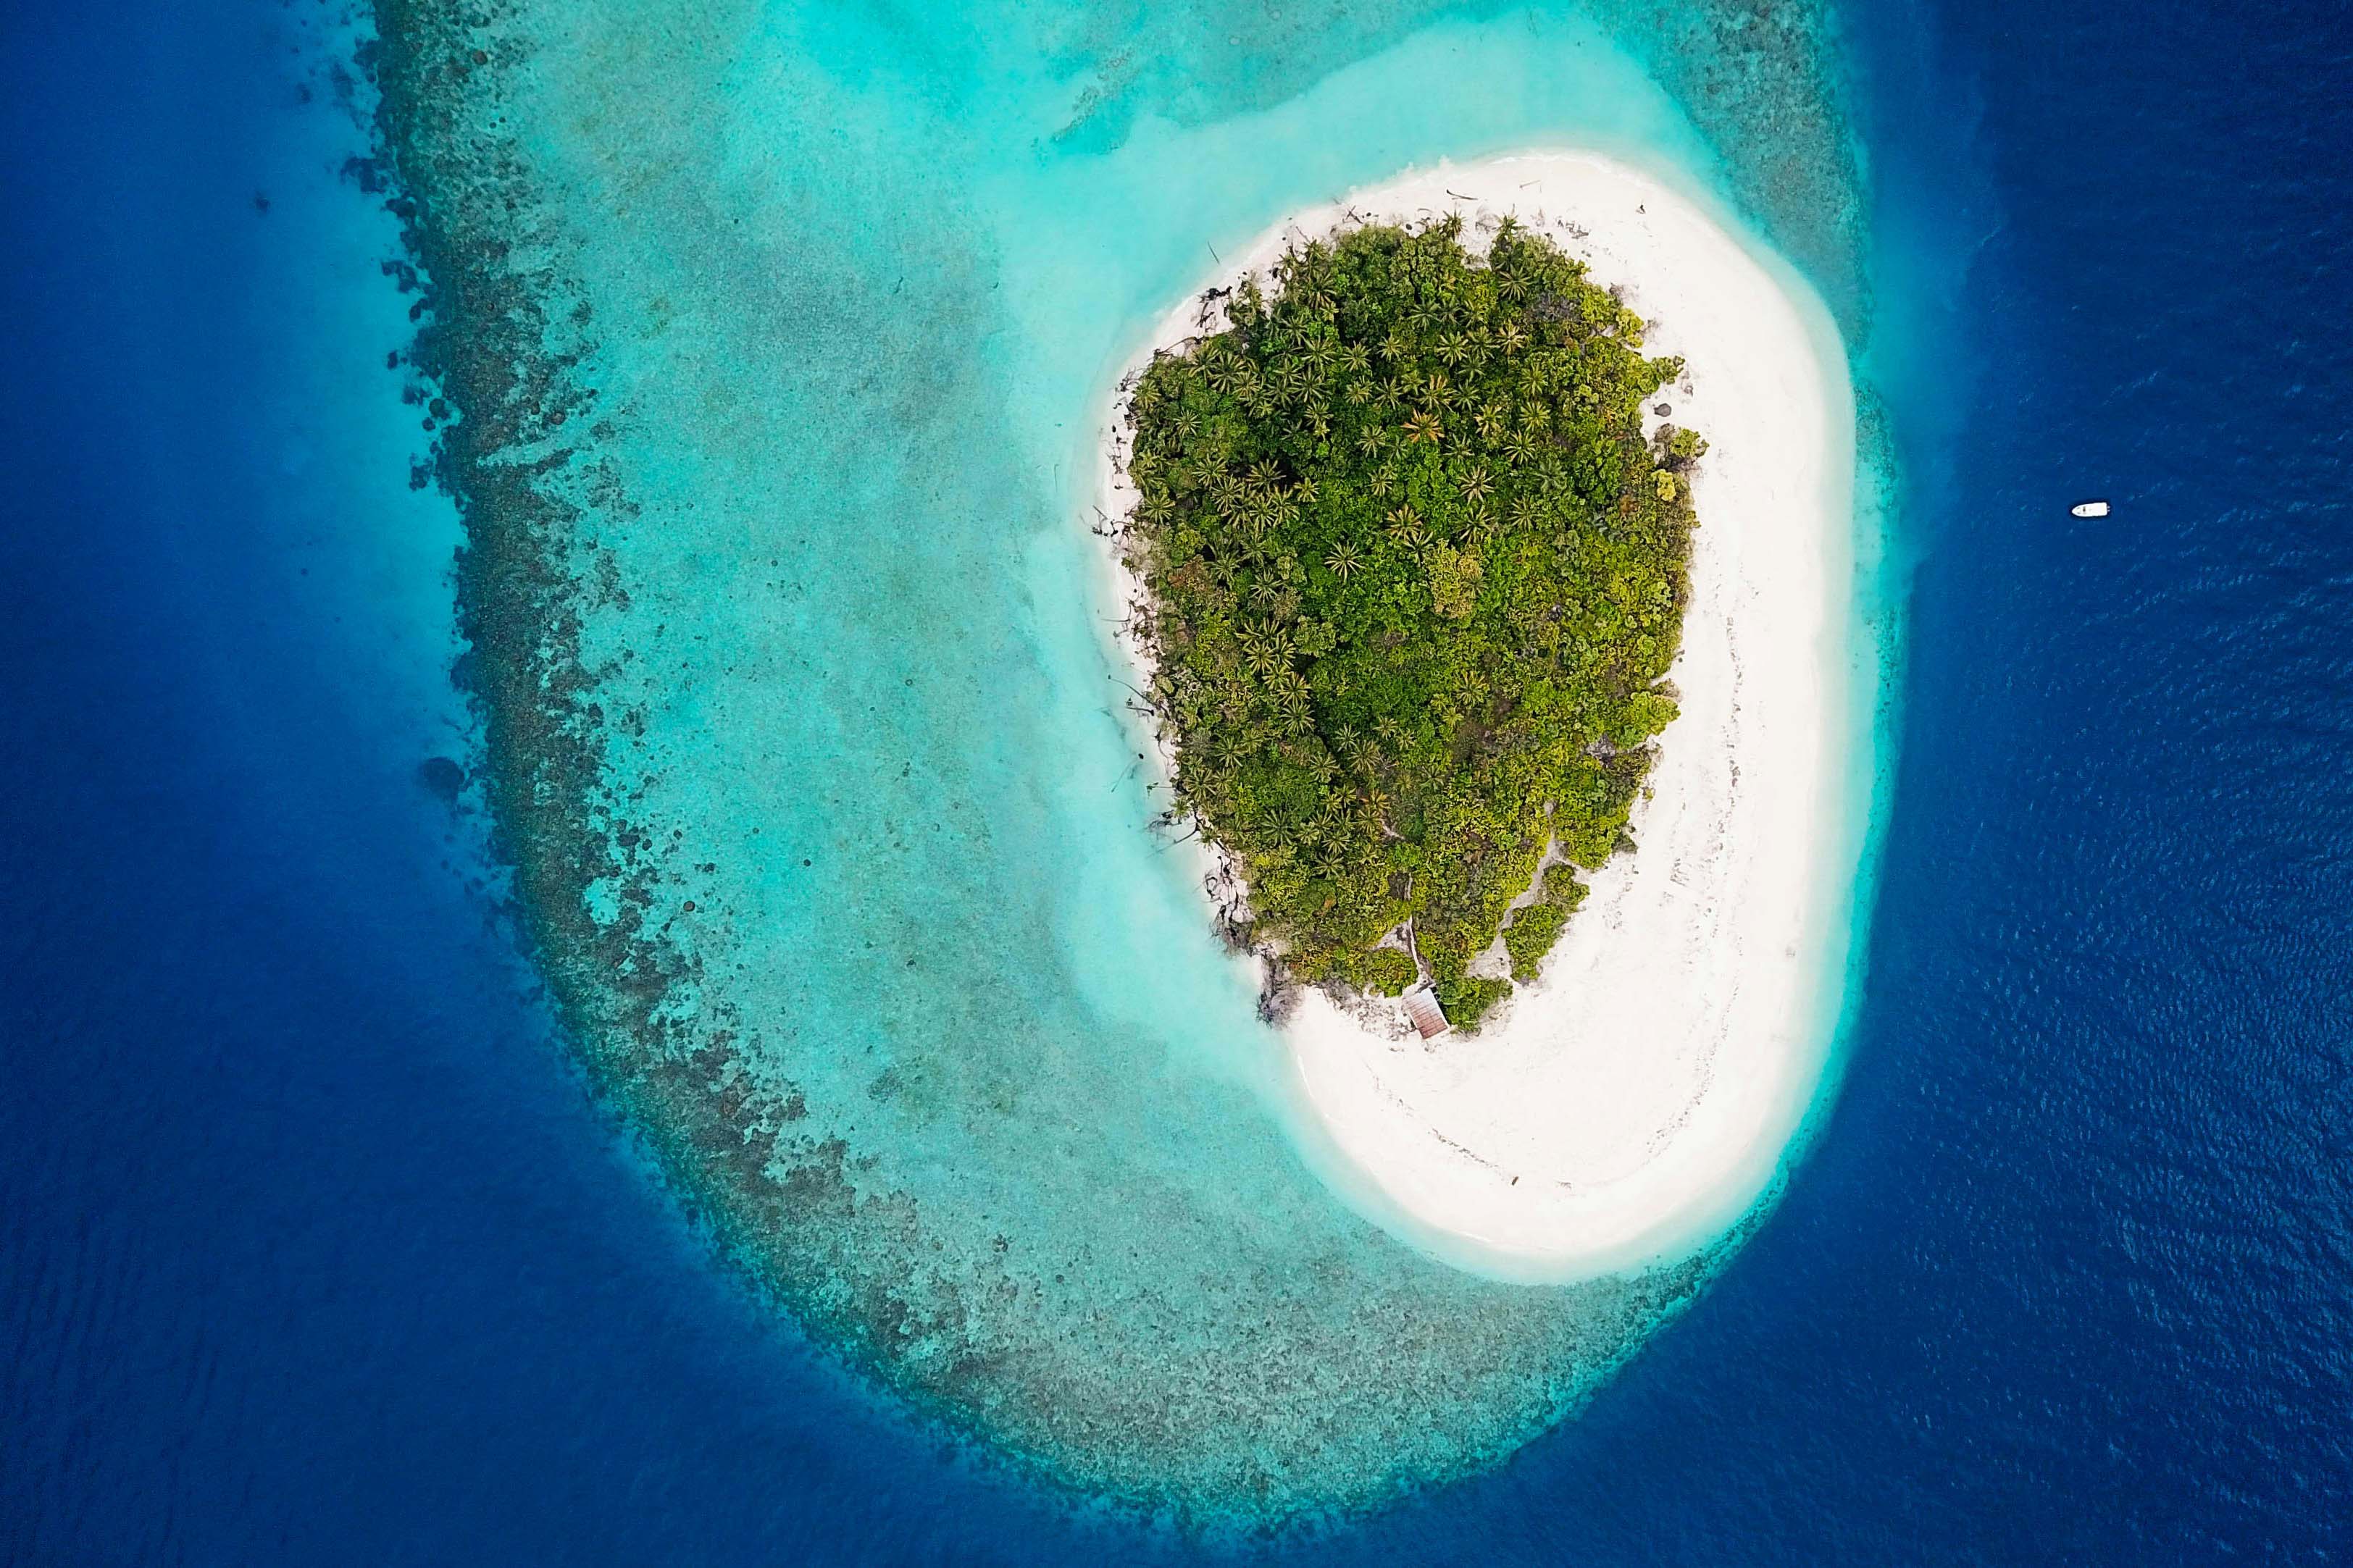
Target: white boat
[[2090, 509]]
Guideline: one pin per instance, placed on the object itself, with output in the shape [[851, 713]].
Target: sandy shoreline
[[1635, 1101]]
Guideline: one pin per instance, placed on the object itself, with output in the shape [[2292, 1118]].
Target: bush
[[1385, 971], [1534, 928], [1466, 1000]]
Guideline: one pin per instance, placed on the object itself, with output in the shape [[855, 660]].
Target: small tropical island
[[1470, 531], [1415, 577]]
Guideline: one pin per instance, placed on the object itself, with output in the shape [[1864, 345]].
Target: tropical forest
[[1413, 576]]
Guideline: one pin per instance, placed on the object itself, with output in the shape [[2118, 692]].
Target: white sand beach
[[1635, 1101]]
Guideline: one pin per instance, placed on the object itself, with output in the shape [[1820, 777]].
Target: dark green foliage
[[1466, 1000], [1534, 928], [1415, 576], [1385, 972]]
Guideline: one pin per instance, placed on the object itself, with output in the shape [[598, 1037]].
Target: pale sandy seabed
[[1634, 1102]]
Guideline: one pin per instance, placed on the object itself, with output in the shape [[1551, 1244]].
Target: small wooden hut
[[1422, 1006]]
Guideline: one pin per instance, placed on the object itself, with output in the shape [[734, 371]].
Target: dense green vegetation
[[1415, 576]]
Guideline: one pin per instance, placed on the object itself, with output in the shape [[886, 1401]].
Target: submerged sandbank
[[1634, 1102]]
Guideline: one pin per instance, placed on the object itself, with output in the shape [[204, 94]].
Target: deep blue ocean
[[315, 1248]]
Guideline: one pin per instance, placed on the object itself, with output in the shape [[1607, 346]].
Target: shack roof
[[1422, 1006]]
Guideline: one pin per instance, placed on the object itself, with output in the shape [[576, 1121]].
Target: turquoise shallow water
[[778, 338]]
